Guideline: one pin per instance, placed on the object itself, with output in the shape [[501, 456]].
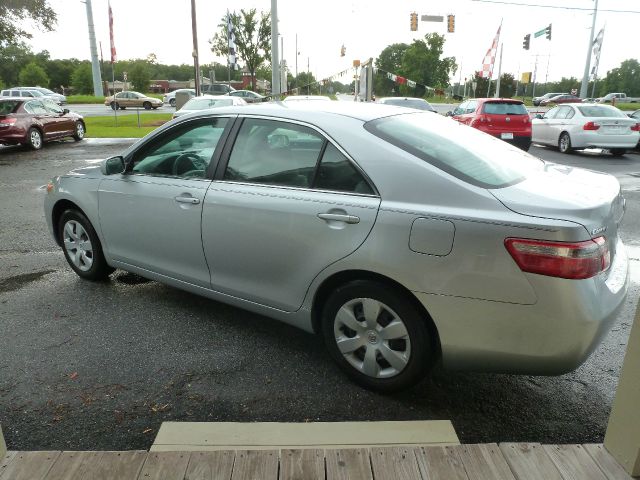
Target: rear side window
[[337, 173], [8, 107], [601, 111], [465, 153], [504, 108]]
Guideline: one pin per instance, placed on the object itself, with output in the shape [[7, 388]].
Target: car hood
[[591, 199]]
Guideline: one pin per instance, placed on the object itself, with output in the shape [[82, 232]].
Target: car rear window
[[504, 108], [202, 103], [420, 105], [7, 107], [600, 111], [465, 153]]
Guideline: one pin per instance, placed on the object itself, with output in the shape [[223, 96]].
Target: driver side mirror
[[539, 116], [113, 165], [449, 114], [65, 111]]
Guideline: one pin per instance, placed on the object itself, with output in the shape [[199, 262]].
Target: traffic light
[[414, 22], [451, 23], [527, 41], [343, 51], [548, 32]]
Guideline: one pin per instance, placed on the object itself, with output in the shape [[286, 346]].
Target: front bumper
[[551, 337]]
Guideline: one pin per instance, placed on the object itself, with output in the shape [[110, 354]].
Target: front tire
[[115, 105], [81, 246], [79, 131], [34, 139], [172, 102], [564, 143], [146, 106], [376, 336]]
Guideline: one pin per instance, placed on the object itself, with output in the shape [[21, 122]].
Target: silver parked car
[[401, 237], [207, 101], [409, 102], [579, 126]]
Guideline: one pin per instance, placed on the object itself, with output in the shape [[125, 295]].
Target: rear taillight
[[7, 122], [591, 126], [635, 128], [576, 260], [479, 120]]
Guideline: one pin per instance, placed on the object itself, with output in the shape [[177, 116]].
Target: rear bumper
[[12, 135], [598, 140], [522, 142], [551, 337]]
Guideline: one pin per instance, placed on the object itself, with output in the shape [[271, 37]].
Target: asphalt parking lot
[[96, 366]]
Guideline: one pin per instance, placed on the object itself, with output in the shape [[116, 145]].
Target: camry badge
[[598, 230]]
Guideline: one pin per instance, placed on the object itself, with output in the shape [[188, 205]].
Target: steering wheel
[[187, 162]]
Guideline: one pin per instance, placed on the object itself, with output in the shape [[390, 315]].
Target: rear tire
[[172, 102], [376, 336], [617, 152], [564, 143], [34, 139], [81, 246]]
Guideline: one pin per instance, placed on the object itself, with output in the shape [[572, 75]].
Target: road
[[100, 365]]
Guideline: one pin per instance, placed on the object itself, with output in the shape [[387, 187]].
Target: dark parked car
[[248, 96], [410, 102], [32, 122], [561, 99], [504, 118]]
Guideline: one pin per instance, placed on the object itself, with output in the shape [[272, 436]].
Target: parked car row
[[34, 92]]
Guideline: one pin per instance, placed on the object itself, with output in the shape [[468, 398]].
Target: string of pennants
[[323, 81], [400, 80]]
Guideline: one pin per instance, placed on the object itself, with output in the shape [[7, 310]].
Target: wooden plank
[[307, 464], [574, 462], [255, 465], [609, 465], [165, 466], [6, 460], [29, 465], [117, 466], [274, 435], [394, 463], [529, 461], [348, 464], [440, 463], [210, 465], [485, 461], [73, 465]]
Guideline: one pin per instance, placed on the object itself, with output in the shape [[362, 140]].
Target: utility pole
[[535, 72], [295, 83], [95, 65], [497, 94], [196, 61], [584, 88], [275, 60]]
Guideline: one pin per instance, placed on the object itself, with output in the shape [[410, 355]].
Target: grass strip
[[127, 127]]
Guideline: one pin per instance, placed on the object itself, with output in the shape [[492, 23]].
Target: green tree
[[306, 84], [421, 62], [507, 85], [13, 58], [389, 60], [82, 79], [253, 38], [140, 76], [14, 14], [33, 75], [60, 71], [625, 78]]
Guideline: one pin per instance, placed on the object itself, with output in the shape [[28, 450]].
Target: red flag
[[113, 45]]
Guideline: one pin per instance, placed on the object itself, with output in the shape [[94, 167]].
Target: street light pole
[[95, 66], [275, 60], [584, 87], [196, 62]]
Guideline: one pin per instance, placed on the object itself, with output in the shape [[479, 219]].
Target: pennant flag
[[490, 57], [597, 48], [113, 45], [411, 83], [232, 42]]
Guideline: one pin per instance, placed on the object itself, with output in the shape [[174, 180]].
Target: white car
[[208, 101], [170, 97], [304, 98], [579, 126]]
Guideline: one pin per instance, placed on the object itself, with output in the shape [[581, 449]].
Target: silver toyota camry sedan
[[400, 237]]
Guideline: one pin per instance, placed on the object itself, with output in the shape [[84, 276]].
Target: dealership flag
[[490, 57], [597, 48], [232, 42], [113, 45]]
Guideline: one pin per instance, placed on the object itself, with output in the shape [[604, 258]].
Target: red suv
[[504, 118]]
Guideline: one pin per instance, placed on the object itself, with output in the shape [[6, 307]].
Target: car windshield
[[8, 107], [465, 153], [202, 103], [411, 103], [505, 108], [600, 111]]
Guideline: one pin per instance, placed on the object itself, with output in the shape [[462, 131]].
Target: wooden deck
[[507, 461]]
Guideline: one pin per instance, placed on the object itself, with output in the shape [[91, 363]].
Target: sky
[[364, 27]]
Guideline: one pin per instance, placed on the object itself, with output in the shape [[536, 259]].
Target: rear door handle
[[189, 200], [337, 217]]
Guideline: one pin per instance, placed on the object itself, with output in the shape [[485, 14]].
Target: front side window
[[52, 107], [465, 153], [185, 151], [460, 109], [551, 114], [274, 153]]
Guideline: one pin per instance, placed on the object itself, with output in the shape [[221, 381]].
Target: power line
[[553, 6]]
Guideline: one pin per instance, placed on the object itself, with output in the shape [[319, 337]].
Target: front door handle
[[189, 200], [337, 217]]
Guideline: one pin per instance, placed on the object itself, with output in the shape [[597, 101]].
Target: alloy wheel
[[35, 139], [78, 245], [372, 338]]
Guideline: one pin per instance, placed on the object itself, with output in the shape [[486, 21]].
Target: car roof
[[400, 98]]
